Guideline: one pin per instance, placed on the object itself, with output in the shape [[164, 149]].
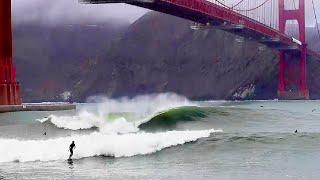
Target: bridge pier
[[293, 75], [9, 87]]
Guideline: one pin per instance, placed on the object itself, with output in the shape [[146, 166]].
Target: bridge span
[[214, 13]]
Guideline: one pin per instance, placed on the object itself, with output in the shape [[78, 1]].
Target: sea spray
[[119, 115], [142, 106]]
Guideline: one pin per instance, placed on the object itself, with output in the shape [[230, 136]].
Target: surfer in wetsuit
[[71, 147]]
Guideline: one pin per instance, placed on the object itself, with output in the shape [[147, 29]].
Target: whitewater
[[95, 144], [113, 136]]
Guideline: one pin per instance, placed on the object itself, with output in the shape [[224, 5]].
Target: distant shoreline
[[37, 107]]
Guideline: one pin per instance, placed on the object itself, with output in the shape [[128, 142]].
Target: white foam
[[84, 120], [87, 120], [95, 144]]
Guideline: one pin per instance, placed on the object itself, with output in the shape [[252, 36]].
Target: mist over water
[[165, 136]]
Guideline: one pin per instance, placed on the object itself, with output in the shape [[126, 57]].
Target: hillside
[[49, 58]]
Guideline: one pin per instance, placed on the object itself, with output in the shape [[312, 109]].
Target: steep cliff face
[[160, 53]]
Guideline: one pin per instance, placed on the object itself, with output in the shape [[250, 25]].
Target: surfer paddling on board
[[71, 147]]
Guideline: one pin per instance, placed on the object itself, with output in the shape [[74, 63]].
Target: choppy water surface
[[164, 137]]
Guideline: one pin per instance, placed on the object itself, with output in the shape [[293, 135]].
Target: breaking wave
[[131, 115], [121, 116], [86, 120], [95, 144], [116, 130], [168, 119]]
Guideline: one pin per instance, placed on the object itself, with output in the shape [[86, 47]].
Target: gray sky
[[70, 11]]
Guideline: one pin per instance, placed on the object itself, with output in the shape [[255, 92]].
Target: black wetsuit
[[72, 145]]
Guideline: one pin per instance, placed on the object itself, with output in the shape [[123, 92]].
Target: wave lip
[[170, 118], [96, 144]]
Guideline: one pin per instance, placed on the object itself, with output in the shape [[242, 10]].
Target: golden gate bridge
[[265, 21]]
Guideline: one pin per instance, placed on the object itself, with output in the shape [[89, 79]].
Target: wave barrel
[[9, 87]]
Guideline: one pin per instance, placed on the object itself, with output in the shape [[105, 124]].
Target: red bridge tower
[[9, 87], [293, 73]]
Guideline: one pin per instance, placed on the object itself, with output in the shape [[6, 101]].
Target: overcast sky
[[70, 11]]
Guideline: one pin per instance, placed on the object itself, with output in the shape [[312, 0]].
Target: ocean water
[[164, 136]]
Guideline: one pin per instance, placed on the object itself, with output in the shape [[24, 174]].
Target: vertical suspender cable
[[315, 17]]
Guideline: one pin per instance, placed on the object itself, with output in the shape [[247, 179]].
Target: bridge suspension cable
[[264, 11], [241, 1], [294, 4], [243, 10], [315, 17]]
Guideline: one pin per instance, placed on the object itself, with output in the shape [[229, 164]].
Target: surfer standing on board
[[71, 147]]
